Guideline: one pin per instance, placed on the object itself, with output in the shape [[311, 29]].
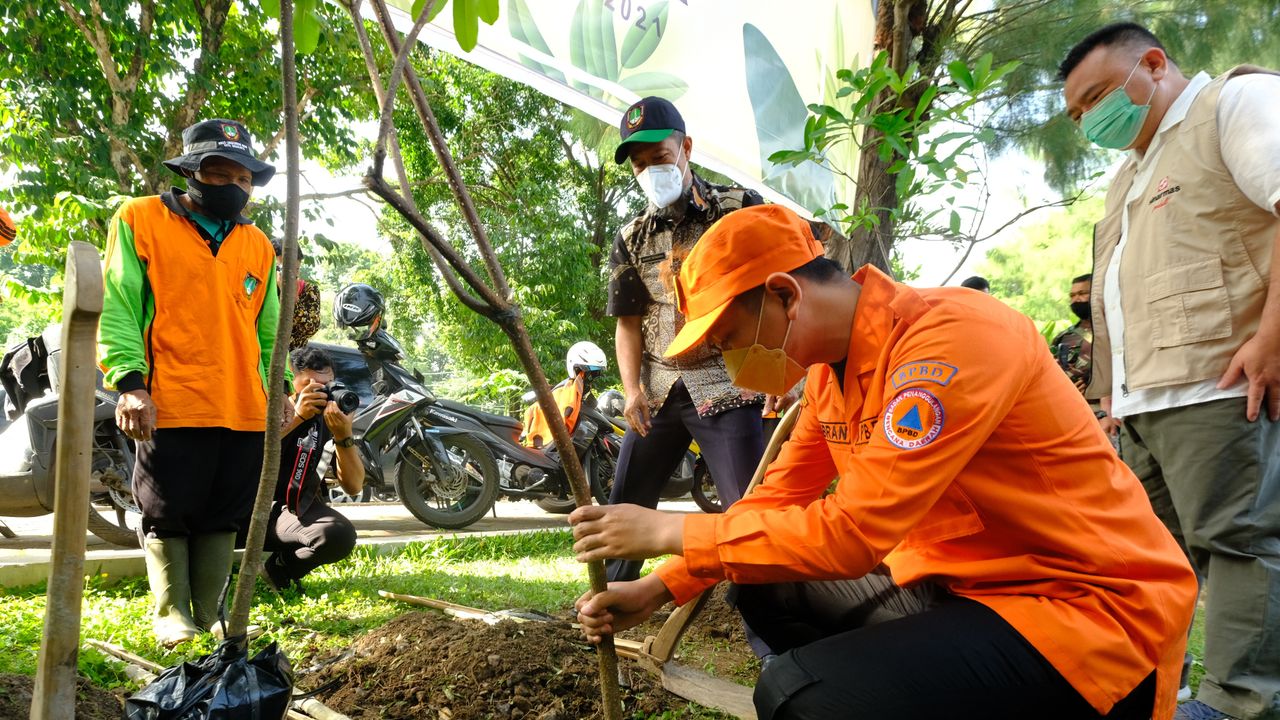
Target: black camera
[[346, 399]]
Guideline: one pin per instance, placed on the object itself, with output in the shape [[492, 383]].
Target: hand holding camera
[[310, 401]]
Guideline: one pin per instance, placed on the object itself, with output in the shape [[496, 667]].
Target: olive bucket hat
[[220, 138]]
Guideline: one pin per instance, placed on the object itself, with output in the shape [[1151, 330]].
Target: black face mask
[[221, 202], [1081, 309]]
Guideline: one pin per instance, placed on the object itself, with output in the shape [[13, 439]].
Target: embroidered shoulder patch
[[913, 419], [250, 284], [923, 371]]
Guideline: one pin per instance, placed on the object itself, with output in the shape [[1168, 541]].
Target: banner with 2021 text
[[741, 72]]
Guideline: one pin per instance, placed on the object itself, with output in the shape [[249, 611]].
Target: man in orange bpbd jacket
[[969, 465]]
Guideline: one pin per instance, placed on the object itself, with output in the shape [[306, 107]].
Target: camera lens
[[347, 400]]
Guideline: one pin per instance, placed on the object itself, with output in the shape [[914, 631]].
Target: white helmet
[[587, 357]]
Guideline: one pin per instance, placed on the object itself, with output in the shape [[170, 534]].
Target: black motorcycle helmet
[[358, 305]]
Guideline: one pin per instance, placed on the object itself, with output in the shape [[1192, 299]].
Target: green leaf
[[926, 99], [488, 11], [959, 73], [435, 9], [955, 223], [271, 8], [664, 85], [306, 27], [466, 23], [638, 45]]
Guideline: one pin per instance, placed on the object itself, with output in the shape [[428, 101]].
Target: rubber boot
[[169, 574], [211, 556]]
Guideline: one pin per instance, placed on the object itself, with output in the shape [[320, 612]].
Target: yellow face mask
[[767, 370]]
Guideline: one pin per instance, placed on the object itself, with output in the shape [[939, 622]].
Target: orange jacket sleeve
[[885, 490], [803, 470]]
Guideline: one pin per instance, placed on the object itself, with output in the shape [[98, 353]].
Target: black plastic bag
[[226, 685]]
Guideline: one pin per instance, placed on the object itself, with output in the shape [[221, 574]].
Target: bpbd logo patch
[[913, 419], [924, 371], [250, 284]]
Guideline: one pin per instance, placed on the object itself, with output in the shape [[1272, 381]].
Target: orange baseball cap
[[734, 255]]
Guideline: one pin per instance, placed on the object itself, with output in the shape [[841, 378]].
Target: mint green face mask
[[1115, 121]]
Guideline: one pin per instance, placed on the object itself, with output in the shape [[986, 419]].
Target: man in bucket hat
[[188, 324], [967, 462]]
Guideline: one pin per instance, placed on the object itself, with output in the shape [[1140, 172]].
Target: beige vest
[[1195, 269]]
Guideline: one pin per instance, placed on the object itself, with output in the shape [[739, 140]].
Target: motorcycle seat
[[486, 418]]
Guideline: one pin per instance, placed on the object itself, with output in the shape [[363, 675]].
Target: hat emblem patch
[[230, 131], [635, 116]]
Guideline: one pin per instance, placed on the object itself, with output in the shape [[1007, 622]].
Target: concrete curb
[[131, 563]]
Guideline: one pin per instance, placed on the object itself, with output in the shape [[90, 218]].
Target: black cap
[[220, 138], [650, 119]]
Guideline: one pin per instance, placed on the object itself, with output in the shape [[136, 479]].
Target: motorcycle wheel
[[704, 489], [443, 501], [114, 515], [599, 470]]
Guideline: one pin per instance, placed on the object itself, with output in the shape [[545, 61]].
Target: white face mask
[[663, 184]]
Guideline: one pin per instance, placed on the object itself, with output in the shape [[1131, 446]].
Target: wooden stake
[[55, 686]]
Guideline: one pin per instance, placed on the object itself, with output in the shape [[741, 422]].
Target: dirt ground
[[92, 702], [427, 665]]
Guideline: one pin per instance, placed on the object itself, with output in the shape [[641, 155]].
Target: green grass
[[530, 571]]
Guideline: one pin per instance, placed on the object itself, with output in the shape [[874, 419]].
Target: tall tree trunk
[[897, 22]]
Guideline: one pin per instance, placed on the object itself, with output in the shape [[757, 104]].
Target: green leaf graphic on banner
[[523, 29], [488, 11], [640, 42], [602, 46], [780, 116], [664, 85], [578, 42]]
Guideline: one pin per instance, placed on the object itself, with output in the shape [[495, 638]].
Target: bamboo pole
[[55, 685]]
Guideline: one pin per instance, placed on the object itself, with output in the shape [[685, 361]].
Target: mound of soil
[[92, 702], [426, 665]]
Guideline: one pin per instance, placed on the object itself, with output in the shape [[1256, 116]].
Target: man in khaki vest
[[1186, 320]]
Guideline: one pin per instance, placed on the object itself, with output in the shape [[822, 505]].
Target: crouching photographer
[[305, 532]]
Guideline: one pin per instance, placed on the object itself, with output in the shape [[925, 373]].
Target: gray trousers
[[1214, 480]]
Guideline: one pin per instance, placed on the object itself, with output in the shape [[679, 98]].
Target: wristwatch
[[345, 442], [1099, 414]]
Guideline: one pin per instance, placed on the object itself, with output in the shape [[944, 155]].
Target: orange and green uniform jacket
[[188, 319], [967, 459]]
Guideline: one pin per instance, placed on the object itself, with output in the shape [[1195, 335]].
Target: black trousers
[[194, 481], [732, 443], [320, 536], [956, 659]]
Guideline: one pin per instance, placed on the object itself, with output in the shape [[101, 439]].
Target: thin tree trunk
[[492, 302], [251, 562]]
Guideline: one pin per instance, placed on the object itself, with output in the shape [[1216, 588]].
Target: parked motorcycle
[[527, 471], [30, 376], [443, 475]]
